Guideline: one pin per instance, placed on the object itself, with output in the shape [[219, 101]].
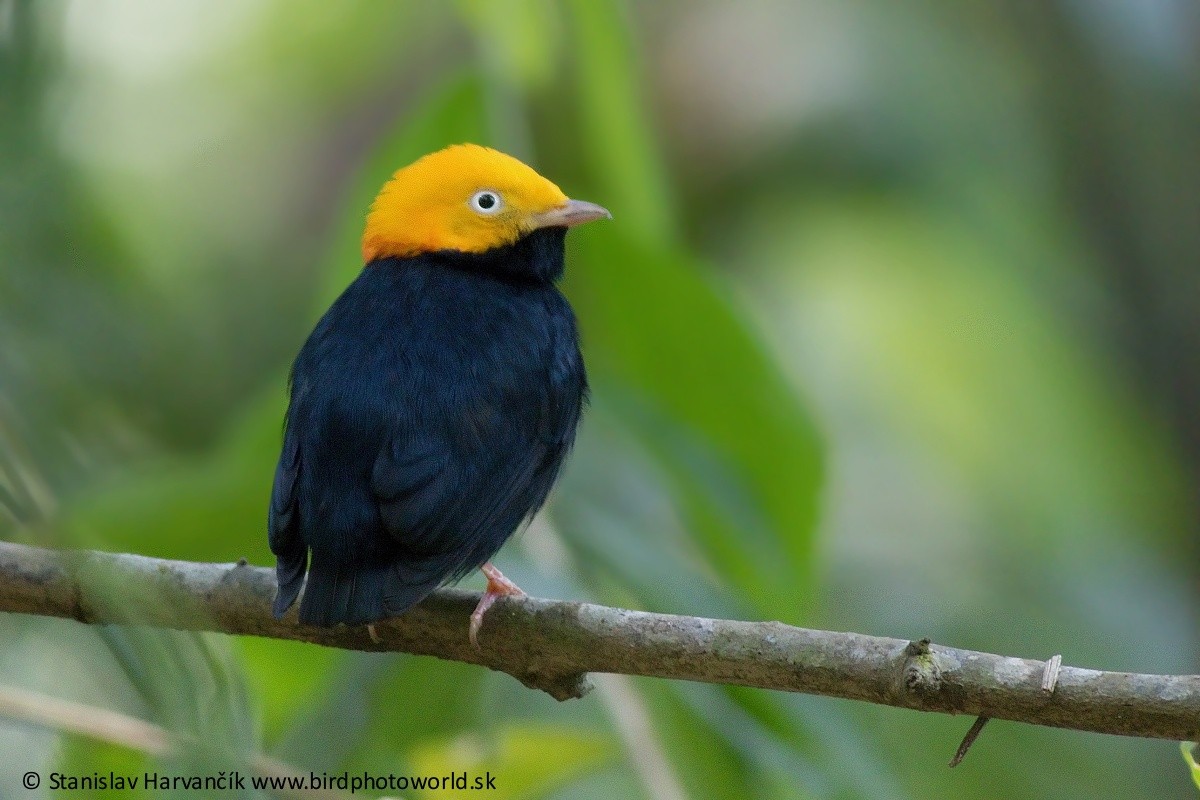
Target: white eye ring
[[486, 202]]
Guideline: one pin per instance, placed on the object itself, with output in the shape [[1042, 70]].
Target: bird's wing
[[436, 497], [291, 554], [452, 495]]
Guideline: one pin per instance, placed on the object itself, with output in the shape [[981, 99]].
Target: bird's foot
[[374, 634], [497, 586]]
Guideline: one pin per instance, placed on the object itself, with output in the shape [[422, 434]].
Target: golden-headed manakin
[[434, 403]]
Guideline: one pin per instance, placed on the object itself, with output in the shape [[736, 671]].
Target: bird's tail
[[356, 594]]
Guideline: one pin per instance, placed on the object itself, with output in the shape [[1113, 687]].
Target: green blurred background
[[895, 331]]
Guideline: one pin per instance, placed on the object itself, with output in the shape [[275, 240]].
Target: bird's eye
[[486, 202]]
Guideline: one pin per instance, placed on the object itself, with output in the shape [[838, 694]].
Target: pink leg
[[497, 586]]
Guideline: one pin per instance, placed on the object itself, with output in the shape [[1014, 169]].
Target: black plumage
[[431, 411]]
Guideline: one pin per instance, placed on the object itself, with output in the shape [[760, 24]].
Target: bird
[[432, 407]]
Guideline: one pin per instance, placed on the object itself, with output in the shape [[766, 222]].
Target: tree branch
[[551, 645]]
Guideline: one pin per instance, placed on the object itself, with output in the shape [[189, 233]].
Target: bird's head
[[466, 199]]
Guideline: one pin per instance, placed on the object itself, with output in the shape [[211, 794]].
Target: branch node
[[922, 673], [1050, 674], [570, 686], [968, 740], [919, 647]]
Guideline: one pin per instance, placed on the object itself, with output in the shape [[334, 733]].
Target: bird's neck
[[536, 257]]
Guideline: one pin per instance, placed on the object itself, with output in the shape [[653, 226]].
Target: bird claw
[[497, 586], [374, 634]]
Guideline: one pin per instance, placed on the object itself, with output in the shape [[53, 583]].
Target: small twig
[[633, 722], [90, 721], [968, 740]]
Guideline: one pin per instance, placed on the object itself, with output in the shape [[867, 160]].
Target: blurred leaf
[[191, 683], [1188, 749], [526, 761], [285, 677], [670, 354], [88, 757], [334, 719], [701, 762], [209, 507], [614, 128], [303, 46], [414, 700], [521, 39], [683, 370]]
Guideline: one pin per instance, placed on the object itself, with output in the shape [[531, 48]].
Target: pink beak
[[570, 214]]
